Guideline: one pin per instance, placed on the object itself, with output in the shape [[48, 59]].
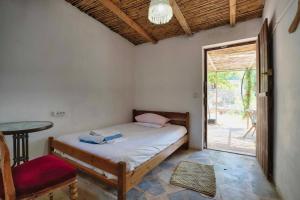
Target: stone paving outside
[[227, 135]]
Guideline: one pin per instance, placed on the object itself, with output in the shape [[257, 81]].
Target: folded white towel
[[104, 133]]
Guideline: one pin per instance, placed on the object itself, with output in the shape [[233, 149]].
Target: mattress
[[140, 144]]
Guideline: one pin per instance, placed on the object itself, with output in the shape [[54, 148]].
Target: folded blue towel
[[98, 139], [112, 137], [91, 139]]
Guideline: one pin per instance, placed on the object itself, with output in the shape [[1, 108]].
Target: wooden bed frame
[[125, 180]]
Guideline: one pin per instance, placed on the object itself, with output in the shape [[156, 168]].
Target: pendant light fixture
[[160, 11]]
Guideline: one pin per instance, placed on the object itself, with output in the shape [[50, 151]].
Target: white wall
[[168, 74], [55, 58], [287, 89]]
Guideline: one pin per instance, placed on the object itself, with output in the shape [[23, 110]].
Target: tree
[[222, 79], [248, 89]]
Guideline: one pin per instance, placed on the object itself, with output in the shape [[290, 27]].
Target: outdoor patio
[[231, 99], [228, 135]]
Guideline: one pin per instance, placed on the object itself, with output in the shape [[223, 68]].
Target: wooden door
[[264, 101]]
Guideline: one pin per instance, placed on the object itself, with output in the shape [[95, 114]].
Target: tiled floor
[[238, 178]]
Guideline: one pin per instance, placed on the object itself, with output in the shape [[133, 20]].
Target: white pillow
[[149, 125], [152, 119]]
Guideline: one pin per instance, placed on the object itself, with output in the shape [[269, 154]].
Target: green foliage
[[221, 79], [248, 93]]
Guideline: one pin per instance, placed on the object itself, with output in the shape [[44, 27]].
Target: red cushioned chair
[[35, 178]]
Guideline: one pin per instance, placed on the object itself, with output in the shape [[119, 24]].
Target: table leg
[[26, 147], [23, 146], [15, 149], [20, 148]]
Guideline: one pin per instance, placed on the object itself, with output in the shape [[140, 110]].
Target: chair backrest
[[252, 116], [7, 179]]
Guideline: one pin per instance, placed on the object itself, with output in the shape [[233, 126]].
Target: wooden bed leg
[[50, 146], [186, 146], [122, 181]]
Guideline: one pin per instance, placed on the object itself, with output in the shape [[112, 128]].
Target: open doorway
[[230, 95]]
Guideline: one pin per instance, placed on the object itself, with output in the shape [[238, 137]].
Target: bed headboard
[[177, 118]]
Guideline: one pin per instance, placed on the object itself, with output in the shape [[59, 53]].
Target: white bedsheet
[[140, 144]]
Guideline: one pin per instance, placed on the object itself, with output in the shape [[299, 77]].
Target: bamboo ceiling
[[232, 58], [199, 15]]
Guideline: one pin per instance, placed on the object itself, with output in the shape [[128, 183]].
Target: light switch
[[58, 113]]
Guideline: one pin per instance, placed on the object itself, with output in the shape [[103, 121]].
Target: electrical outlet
[[58, 113]]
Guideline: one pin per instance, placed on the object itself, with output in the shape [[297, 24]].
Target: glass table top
[[26, 126]]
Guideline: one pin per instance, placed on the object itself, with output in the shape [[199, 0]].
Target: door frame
[[206, 49]]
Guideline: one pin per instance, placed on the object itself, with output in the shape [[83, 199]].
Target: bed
[[123, 164]]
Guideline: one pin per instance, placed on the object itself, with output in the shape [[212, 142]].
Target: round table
[[19, 132]]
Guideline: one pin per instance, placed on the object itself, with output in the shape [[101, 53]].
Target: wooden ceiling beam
[[232, 12], [123, 16], [211, 62], [117, 2], [180, 18]]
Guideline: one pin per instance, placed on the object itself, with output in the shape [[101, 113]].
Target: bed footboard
[[118, 169]]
